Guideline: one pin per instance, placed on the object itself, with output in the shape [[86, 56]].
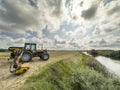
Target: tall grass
[[93, 64], [83, 74]]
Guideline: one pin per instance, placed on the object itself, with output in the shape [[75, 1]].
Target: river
[[113, 66]]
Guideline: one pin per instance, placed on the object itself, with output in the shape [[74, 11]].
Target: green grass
[[4, 55], [95, 65], [80, 72]]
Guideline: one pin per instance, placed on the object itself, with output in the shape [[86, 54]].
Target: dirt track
[[9, 81]]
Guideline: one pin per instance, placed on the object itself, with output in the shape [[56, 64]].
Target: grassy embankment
[[107, 53], [80, 72]]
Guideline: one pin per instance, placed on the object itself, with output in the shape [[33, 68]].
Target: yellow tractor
[[23, 55], [31, 52]]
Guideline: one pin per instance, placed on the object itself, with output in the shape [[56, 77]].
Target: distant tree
[[93, 52], [3, 50]]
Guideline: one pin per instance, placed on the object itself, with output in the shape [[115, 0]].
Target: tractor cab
[[30, 46]]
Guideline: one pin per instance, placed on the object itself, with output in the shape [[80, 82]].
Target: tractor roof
[[30, 43]]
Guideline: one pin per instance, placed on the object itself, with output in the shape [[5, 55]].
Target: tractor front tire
[[26, 57], [44, 56]]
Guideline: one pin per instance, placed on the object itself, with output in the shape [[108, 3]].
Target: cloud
[[21, 15], [114, 10], [78, 32], [55, 5], [107, 2], [109, 19], [104, 29], [89, 13], [59, 40], [33, 3], [17, 16], [74, 45]]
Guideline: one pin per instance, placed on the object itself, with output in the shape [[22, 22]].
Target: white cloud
[[78, 32], [59, 40]]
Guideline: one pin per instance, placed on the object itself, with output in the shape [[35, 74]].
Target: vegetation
[[107, 53], [3, 50], [4, 55], [80, 72]]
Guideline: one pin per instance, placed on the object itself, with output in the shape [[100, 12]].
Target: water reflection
[[111, 65]]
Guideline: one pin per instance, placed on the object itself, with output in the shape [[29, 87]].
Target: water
[[112, 65]]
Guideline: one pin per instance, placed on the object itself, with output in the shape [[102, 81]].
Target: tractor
[[30, 51], [22, 55]]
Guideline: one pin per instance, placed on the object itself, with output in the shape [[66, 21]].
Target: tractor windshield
[[30, 46], [33, 48], [27, 47]]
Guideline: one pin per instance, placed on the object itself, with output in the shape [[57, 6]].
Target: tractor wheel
[[26, 57], [44, 56]]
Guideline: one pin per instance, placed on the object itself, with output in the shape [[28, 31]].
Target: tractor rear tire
[[26, 57], [44, 56]]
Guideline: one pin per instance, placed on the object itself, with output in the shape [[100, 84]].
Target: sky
[[61, 24]]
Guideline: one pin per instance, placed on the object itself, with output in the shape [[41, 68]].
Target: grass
[[4, 55], [95, 65], [80, 72]]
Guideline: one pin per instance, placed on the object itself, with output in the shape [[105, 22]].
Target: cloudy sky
[[61, 24]]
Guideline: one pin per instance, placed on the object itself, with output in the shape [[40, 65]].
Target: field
[[63, 71], [4, 55]]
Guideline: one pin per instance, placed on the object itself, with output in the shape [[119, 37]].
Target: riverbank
[[107, 53], [113, 66], [79, 72]]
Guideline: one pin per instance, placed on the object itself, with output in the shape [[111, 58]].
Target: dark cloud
[[102, 41], [15, 17], [107, 30], [115, 9], [60, 42], [15, 14], [107, 1], [106, 44], [117, 41], [90, 42], [56, 5], [74, 43], [10, 34], [89, 13], [81, 3], [33, 3]]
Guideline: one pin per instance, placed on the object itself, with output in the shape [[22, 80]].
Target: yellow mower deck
[[23, 68]]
